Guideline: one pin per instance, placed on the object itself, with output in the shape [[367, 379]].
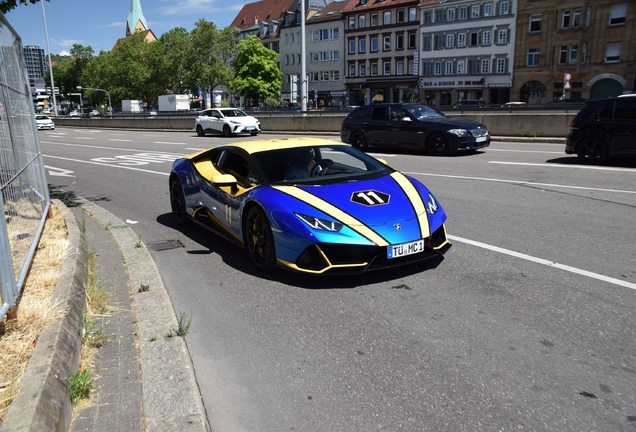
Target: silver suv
[[228, 121]]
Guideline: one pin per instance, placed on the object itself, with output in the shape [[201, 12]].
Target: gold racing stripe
[[416, 201], [334, 212]]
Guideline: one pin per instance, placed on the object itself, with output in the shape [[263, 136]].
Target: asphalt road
[[526, 324]]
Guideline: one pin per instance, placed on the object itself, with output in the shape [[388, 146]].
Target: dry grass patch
[[35, 313]]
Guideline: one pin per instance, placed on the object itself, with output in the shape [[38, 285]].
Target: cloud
[[185, 7], [67, 42], [64, 53], [116, 24]]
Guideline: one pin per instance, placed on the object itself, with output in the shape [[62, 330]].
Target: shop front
[[444, 92], [379, 92]]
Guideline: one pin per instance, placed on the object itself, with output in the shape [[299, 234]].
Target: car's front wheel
[[437, 145], [227, 131], [177, 203], [359, 141], [259, 240], [200, 131], [592, 150]]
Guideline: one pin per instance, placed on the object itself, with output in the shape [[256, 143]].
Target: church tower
[[136, 20]]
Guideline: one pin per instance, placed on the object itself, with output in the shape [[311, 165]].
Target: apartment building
[[574, 49], [466, 50], [381, 53]]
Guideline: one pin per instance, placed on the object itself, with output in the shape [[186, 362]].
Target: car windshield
[[233, 113], [423, 112], [319, 165], [41, 117]]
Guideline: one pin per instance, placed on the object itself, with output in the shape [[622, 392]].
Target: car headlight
[[431, 204], [320, 224], [459, 132]]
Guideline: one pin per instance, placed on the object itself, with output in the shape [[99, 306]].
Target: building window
[[584, 54], [428, 17], [361, 70], [565, 19], [485, 38], [501, 66], [335, 75], [374, 44], [411, 66], [352, 70], [439, 41], [488, 9], [352, 46], [437, 68], [362, 45], [588, 16], [503, 8], [399, 67], [293, 59], [374, 69], [576, 18], [287, 59], [502, 37], [474, 11], [439, 15], [533, 57], [448, 68], [298, 58], [314, 36], [387, 18], [460, 68], [334, 55], [312, 77], [563, 54], [474, 39], [535, 23], [374, 19], [573, 53], [286, 39], [618, 14], [461, 40], [485, 66], [412, 14], [412, 39], [334, 33], [313, 57], [426, 43], [399, 42], [352, 22], [613, 52], [399, 16], [387, 43], [362, 21], [450, 14], [387, 68], [450, 40], [463, 13]]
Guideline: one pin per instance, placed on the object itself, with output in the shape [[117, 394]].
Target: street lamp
[[110, 106]]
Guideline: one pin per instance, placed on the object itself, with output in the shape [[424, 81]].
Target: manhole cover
[[162, 245]]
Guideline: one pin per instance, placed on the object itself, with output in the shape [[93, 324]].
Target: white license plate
[[249, 128], [405, 249], [480, 139]]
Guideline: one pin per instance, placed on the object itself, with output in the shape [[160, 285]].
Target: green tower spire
[[134, 17]]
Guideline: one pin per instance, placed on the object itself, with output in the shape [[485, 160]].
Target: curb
[[43, 402]]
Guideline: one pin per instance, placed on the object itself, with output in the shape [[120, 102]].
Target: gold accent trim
[[416, 201]]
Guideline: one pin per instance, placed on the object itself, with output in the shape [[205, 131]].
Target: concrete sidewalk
[[144, 381]]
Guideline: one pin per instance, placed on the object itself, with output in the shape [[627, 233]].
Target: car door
[[375, 127], [401, 130], [622, 131], [216, 120]]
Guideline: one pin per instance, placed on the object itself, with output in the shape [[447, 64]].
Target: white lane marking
[[599, 168], [381, 155], [166, 142], [53, 171], [119, 139], [107, 165], [524, 151], [196, 149], [519, 182], [546, 262], [104, 148], [85, 138]]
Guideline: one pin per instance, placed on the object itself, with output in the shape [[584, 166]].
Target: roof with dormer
[[363, 5], [330, 12], [265, 10]]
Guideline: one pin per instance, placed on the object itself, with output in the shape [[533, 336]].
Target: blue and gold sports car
[[309, 205]]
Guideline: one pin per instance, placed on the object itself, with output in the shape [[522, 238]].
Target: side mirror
[[407, 119], [223, 180]]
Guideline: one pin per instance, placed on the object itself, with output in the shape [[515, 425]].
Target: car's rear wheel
[[177, 202], [592, 150], [437, 145], [359, 141], [259, 240], [200, 131], [227, 131]]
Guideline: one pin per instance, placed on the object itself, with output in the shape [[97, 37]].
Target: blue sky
[[100, 23]]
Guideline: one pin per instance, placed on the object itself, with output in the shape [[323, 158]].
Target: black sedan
[[411, 125]]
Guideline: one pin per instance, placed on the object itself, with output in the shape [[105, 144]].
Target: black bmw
[[411, 125]]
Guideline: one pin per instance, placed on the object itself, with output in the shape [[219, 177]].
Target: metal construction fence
[[25, 197]]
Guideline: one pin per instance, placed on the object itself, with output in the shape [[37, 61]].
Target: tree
[[7, 5], [169, 61], [256, 73]]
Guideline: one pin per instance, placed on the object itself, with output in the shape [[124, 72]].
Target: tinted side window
[[625, 109], [379, 113], [362, 113]]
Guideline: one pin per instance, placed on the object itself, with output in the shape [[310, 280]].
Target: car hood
[[394, 207], [455, 122], [242, 120]]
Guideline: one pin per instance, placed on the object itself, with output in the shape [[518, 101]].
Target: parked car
[[515, 105], [470, 103], [603, 128], [412, 125], [44, 122], [566, 102], [348, 213], [74, 113], [228, 121]]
